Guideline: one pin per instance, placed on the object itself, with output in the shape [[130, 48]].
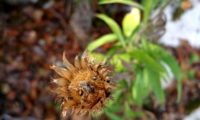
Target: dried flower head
[[82, 87]]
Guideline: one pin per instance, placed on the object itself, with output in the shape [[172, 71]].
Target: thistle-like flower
[[82, 87]]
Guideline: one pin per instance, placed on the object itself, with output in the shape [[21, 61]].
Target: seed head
[[83, 87]]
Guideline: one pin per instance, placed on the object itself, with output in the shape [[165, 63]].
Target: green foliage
[[131, 21], [114, 27], [126, 2], [117, 61], [146, 59], [148, 6], [102, 40], [194, 58]]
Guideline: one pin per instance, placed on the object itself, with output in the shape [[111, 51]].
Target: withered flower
[[82, 87]]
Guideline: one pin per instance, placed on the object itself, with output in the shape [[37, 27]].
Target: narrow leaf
[[149, 61], [136, 89], [112, 116], [168, 59], [156, 86], [113, 26], [100, 41], [128, 111], [141, 87], [126, 2], [171, 62], [148, 5]]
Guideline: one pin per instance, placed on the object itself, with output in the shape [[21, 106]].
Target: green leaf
[[100, 41], [136, 89], [129, 113], [156, 87], [117, 61], [148, 6], [191, 74], [155, 3], [112, 116], [112, 106], [147, 60], [117, 94], [170, 61], [146, 79], [126, 2], [193, 58], [131, 21], [145, 82], [163, 55], [140, 88], [122, 84], [98, 57], [114, 27]]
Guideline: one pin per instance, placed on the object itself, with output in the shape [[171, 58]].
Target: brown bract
[[83, 86]]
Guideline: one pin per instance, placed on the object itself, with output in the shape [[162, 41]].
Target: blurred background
[[34, 34]]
